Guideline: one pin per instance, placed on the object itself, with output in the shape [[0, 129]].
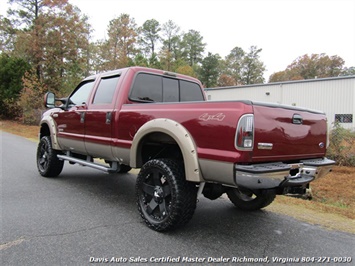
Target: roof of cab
[[140, 69]]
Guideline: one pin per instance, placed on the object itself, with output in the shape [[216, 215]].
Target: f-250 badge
[[208, 117]]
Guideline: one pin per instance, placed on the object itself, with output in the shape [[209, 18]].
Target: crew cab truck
[[184, 146]]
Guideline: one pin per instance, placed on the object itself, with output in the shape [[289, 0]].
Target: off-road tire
[[250, 201], [48, 164], [165, 199]]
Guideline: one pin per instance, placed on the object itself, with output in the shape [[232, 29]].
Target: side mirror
[[49, 100]]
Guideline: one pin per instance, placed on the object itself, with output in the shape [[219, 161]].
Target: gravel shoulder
[[330, 221]]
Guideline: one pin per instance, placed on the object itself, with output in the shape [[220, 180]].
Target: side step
[[113, 169]]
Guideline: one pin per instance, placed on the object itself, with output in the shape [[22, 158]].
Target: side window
[[190, 91], [171, 90], [81, 95], [148, 88], [105, 91]]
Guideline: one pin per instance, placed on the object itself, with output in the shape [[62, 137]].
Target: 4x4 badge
[[207, 117]]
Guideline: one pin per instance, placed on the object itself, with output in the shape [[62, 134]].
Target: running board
[[114, 169]]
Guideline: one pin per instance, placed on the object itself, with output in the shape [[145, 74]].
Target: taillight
[[245, 133]]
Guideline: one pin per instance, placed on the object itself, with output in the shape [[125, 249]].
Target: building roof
[[281, 82]]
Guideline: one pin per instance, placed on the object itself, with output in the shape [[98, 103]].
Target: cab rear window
[[154, 88]]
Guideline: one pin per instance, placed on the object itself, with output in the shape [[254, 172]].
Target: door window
[[81, 94], [105, 91]]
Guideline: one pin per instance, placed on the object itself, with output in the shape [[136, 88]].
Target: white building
[[334, 96]]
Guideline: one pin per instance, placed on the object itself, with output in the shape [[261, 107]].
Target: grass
[[333, 200], [336, 192], [17, 128]]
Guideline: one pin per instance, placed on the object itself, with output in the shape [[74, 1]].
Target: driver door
[[71, 121]]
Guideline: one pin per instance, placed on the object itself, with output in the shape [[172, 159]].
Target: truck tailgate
[[287, 133]]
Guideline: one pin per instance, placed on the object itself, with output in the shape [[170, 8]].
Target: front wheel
[[48, 164], [251, 200], [165, 199]]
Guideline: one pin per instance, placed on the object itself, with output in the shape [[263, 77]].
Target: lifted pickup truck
[[184, 146]]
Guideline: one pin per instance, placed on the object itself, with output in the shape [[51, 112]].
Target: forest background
[[47, 45]]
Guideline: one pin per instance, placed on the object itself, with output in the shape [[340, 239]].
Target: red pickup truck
[[184, 145]]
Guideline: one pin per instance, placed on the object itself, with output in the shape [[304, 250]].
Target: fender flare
[[50, 123], [182, 137]]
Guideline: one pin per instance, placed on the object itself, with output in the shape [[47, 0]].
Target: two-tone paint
[[204, 131]]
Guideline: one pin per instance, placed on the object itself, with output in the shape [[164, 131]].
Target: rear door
[[100, 117]]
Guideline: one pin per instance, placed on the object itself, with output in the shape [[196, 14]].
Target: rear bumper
[[274, 175]]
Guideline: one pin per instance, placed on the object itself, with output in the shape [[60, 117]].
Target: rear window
[[171, 90], [190, 91], [105, 91], [154, 88], [147, 88]]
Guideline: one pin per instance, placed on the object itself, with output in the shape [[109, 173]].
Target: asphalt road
[[85, 215]]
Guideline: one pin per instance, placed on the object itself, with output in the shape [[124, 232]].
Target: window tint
[[105, 91], [154, 88], [81, 95], [147, 88], [190, 91], [171, 90]]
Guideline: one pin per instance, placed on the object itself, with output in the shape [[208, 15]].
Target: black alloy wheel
[[165, 199], [48, 164]]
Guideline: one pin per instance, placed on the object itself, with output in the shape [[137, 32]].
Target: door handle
[[108, 117], [82, 117], [297, 119]]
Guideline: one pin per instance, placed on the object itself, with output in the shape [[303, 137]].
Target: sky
[[283, 29]]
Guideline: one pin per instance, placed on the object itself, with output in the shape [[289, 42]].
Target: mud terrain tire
[[48, 164], [165, 199]]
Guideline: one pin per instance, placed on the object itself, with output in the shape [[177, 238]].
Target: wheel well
[[44, 130], [165, 138], [158, 145]]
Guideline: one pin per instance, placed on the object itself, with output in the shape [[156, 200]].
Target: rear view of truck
[[287, 148]]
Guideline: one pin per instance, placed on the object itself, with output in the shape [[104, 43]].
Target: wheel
[[48, 164], [165, 199], [251, 200], [124, 169]]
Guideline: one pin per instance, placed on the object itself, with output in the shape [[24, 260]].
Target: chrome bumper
[[273, 175]]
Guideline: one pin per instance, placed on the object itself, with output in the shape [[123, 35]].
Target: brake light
[[245, 133]]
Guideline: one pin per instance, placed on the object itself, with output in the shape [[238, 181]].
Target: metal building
[[334, 96]]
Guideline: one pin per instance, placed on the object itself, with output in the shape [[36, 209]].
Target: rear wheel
[[245, 199], [165, 199], [48, 164]]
